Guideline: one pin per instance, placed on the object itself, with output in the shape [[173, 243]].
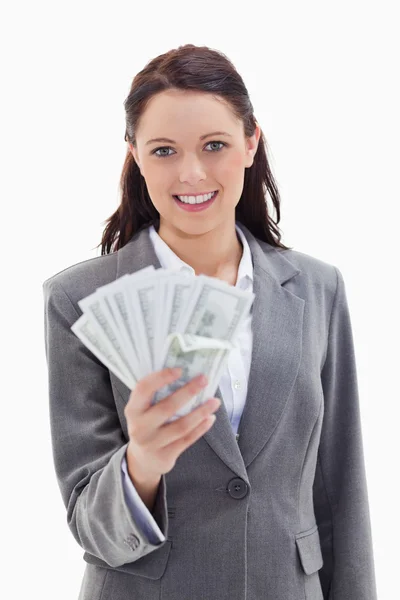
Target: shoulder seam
[[78, 264], [330, 318], [67, 296]]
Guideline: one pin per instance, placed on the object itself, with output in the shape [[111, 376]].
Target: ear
[[252, 145]]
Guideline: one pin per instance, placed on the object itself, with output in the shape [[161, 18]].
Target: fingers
[[142, 394], [169, 406], [178, 437]]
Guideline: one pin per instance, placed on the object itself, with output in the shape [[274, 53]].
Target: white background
[[323, 79]]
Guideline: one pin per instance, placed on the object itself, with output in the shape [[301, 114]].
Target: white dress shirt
[[233, 382]]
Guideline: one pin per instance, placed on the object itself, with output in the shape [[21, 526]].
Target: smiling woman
[[212, 144], [193, 101], [181, 177], [270, 500]]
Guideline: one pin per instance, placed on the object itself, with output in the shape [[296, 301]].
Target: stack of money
[[157, 318]]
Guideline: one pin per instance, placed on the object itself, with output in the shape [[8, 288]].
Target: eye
[[169, 147]]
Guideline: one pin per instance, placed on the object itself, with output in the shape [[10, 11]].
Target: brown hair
[[202, 69]]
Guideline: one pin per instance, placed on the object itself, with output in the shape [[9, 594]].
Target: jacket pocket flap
[[309, 547]]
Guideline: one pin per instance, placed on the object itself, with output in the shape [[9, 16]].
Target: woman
[[193, 509]]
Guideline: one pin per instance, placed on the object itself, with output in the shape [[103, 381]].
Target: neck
[[216, 253]]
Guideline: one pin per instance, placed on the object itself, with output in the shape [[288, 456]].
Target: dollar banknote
[[156, 318], [194, 355]]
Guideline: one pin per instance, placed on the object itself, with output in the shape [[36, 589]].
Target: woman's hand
[[154, 446]]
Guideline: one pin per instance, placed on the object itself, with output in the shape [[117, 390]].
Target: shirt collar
[[169, 260]]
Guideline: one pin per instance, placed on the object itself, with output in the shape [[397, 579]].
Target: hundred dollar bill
[[97, 343], [97, 307], [195, 355], [173, 296], [142, 310], [216, 309], [117, 297]]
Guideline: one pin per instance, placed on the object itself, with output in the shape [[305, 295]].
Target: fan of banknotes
[[157, 318]]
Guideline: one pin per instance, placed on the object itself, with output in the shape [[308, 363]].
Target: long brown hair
[[202, 69]]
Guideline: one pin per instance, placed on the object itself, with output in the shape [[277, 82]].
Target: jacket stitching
[[331, 596], [330, 318], [104, 583], [72, 304], [300, 537], [304, 459]]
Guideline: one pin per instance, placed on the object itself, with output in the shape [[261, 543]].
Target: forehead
[[179, 111]]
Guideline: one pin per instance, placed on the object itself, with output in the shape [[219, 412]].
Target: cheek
[[231, 175], [156, 180], [233, 166]]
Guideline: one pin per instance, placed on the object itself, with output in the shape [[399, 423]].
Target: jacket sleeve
[[139, 510], [88, 443], [340, 487]]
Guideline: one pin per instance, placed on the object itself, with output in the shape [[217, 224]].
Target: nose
[[192, 171]]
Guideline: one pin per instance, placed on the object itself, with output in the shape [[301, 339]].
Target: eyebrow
[[202, 137]]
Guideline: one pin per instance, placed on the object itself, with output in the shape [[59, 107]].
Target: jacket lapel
[[277, 322]]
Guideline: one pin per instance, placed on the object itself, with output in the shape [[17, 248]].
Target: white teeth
[[196, 199]]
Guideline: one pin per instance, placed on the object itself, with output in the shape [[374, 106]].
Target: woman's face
[[189, 165]]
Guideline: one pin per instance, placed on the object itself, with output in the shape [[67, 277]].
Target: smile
[[188, 199], [196, 206]]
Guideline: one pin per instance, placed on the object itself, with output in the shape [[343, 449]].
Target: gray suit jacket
[[283, 513]]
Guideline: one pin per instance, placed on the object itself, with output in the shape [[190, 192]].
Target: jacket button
[[237, 488], [132, 541]]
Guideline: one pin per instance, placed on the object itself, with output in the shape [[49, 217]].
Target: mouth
[[196, 207]]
